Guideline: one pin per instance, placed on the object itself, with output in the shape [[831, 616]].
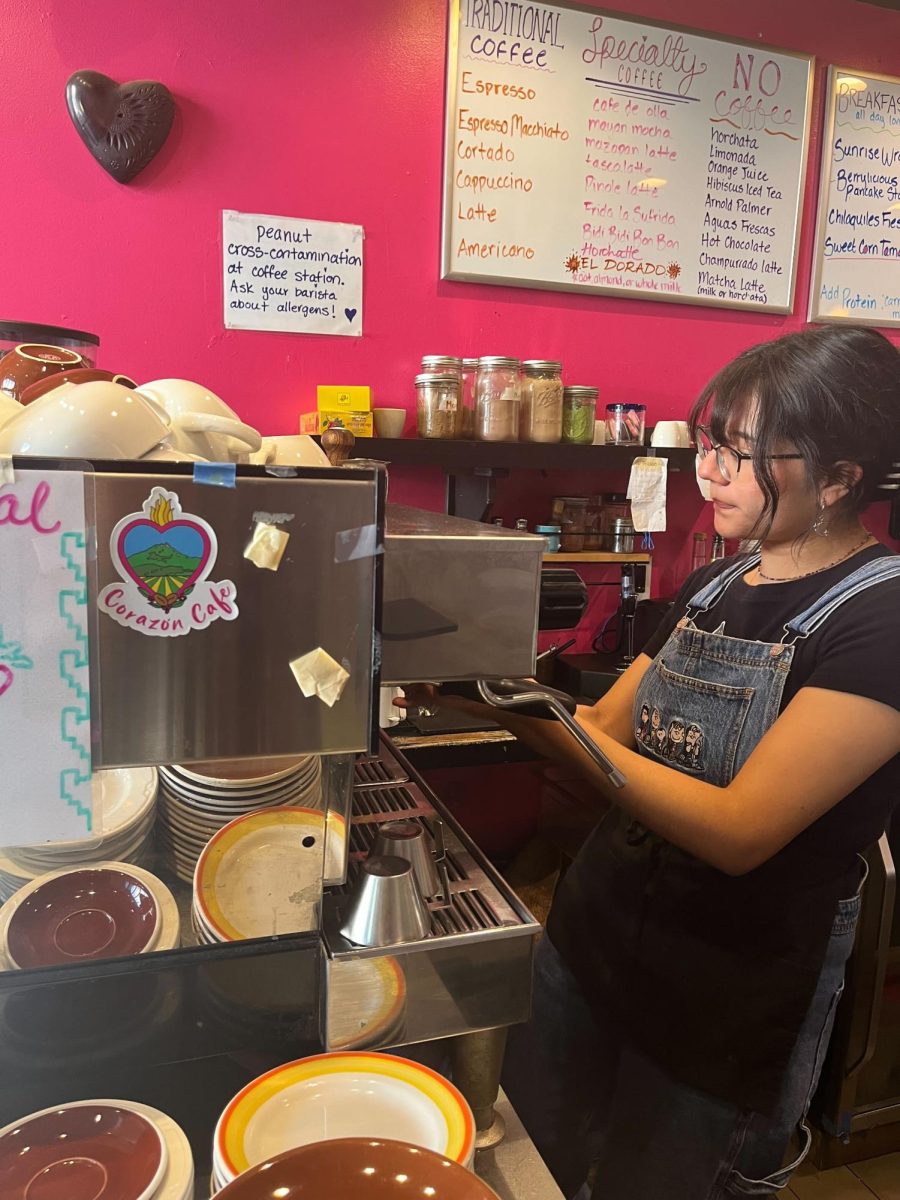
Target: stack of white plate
[[261, 875], [136, 1152], [336, 1096], [197, 801], [124, 804]]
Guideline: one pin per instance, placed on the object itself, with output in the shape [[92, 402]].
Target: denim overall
[[655, 925]]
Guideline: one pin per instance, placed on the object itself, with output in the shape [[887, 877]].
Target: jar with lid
[[579, 407], [437, 405], [622, 536], [625, 424], [541, 414], [467, 398], [570, 513], [614, 505], [441, 364], [497, 396]]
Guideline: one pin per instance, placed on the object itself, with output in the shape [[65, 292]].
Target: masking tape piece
[[7, 474], [356, 543], [216, 474], [267, 546], [318, 674]]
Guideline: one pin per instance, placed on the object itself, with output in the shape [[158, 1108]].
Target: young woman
[[686, 988]]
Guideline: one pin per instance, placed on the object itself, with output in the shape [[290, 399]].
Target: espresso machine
[[394, 596]]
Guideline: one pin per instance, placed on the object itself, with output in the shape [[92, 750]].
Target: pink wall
[[330, 111]]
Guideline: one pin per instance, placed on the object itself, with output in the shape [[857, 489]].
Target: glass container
[[699, 551], [541, 414], [497, 393], [441, 364], [579, 408], [15, 333], [570, 513], [437, 405], [467, 397], [622, 536], [613, 505], [625, 424]]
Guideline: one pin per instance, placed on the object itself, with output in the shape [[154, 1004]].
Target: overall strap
[[821, 609], [710, 592]]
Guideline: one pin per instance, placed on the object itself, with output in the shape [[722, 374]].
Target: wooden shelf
[[598, 556], [460, 456]]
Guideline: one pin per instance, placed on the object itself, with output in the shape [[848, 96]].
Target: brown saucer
[[92, 1151], [82, 915]]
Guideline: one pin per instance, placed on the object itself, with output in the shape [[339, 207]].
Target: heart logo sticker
[[164, 557], [349, 313]]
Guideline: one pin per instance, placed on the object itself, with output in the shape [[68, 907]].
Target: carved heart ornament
[[124, 125]]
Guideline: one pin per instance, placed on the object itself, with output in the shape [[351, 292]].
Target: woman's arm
[[822, 747]]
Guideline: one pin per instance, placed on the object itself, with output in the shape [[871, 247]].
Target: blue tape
[[216, 474]]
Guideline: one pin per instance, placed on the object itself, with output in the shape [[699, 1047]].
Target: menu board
[[587, 151], [857, 263], [44, 675]]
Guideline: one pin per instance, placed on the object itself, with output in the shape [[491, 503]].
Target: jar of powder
[[497, 397], [541, 412], [437, 405]]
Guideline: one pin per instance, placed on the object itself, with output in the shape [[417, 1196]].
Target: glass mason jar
[[467, 398], [437, 405], [541, 412], [497, 393], [579, 407], [441, 364]]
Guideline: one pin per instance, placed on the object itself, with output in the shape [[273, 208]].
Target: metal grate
[[389, 802], [374, 772]]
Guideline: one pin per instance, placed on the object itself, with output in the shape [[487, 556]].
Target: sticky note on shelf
[[267, 546], [318, 674]]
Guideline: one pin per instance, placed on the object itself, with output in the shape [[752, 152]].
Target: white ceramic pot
[[9, 409], [202, 423], [87, 420], [290, 450]]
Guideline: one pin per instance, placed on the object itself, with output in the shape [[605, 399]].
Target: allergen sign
[[164, 557], [291, 275], [45, 702]]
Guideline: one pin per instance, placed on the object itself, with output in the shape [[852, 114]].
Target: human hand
[[418, 700]]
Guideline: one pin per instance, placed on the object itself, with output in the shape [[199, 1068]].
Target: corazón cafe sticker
[[164, 557]]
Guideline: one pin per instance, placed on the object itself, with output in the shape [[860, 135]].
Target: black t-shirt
[[711, 974], [856, 650]]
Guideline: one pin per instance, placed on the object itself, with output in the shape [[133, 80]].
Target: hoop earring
[[819, 527]]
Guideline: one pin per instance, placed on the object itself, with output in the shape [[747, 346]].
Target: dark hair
[[832, 392]]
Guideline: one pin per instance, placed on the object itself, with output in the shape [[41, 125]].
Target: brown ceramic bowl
[[29, 363], [82, 915], [75, 375], [82, 1152], [361, 1168]]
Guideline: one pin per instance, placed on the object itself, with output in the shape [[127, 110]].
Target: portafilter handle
[[523, 696]]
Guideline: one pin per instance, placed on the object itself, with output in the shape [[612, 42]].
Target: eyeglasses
[[728, 460]]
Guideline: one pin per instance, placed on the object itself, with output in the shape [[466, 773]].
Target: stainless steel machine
[[397, 597]]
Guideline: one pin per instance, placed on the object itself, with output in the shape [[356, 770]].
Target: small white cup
[[674, 434]]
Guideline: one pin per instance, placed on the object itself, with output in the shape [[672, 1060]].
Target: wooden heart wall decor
[[124, 125]]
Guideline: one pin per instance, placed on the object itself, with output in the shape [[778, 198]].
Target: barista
[[686, 988]]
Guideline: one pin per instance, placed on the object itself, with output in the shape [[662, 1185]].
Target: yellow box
[[360, 423], [331, 398]]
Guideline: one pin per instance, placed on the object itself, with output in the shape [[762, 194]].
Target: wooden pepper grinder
[[337, 442]]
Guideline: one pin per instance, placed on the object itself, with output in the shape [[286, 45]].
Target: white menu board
[[857, 263], [45, 739], [587, 151]]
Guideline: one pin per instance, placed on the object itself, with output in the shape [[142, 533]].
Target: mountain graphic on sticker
[[164, 555]]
